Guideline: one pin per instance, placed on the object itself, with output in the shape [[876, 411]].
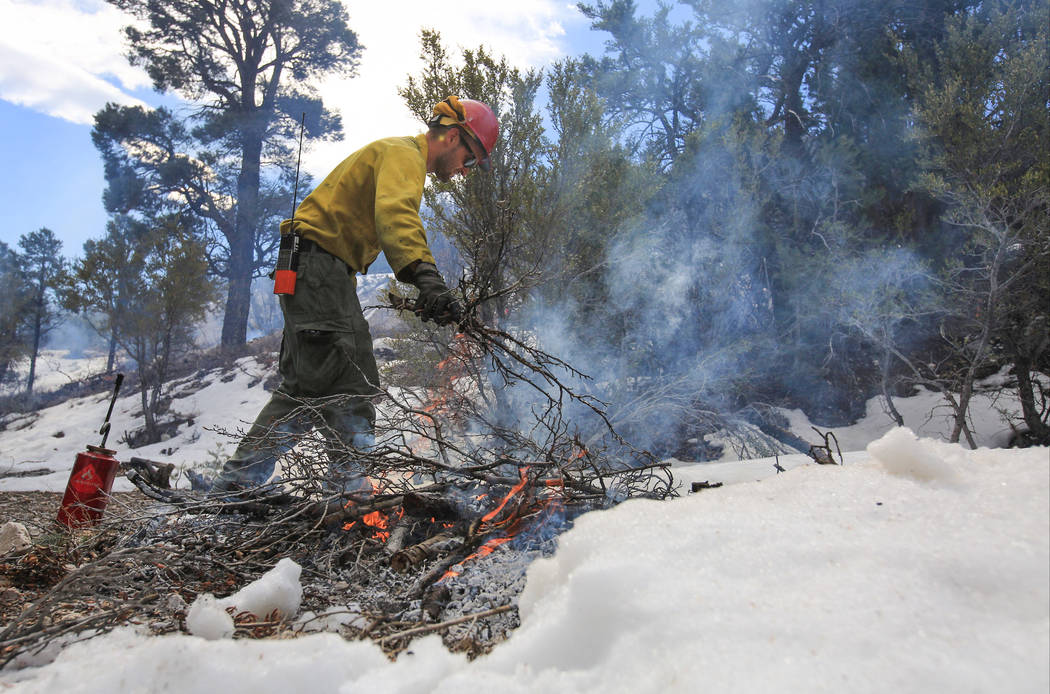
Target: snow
[[207, 619], [51, 439], [54, 369], [277, 592], [918, 566], [230, 399], [927, 414], [933, 462]]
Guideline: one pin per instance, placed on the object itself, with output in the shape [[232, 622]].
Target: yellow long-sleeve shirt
[[370, 203]]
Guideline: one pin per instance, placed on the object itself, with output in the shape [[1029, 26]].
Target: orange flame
[[510, 525], [380, 521], [488, 517], [485, 550]]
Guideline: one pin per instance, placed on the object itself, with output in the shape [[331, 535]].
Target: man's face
[[457, 159]]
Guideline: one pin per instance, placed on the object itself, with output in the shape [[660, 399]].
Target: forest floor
[[26, 578]]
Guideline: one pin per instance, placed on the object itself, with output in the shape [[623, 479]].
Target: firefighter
[[369, 203]]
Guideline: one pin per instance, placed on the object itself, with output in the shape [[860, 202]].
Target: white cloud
[[64, 57]]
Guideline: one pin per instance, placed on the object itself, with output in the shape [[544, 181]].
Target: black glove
[[435, 302]]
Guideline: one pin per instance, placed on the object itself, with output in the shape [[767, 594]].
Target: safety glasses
[[468, 141]]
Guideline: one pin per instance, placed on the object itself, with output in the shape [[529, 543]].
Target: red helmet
[[477, 118]]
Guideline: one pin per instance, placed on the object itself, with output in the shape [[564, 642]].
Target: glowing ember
[[378, 520]]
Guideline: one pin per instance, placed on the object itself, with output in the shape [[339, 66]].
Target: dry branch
[[450, 487]]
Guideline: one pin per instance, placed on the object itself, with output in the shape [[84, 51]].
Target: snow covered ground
[[54, 369], [918, 566], [927, 414], [50, 439]]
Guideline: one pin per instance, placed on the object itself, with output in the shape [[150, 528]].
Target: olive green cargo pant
[[329, 378]]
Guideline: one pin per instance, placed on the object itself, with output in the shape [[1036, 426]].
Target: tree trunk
[[147, 414], [37, 330], [1038, 431], [242, 244], [988, 319], [886, 357], [238, 297], [111, 358]]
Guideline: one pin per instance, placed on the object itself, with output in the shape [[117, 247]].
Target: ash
[[487, 583]]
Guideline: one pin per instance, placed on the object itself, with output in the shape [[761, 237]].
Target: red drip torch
[[91, 480]]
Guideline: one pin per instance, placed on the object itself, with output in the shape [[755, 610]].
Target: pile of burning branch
[[451, 504]]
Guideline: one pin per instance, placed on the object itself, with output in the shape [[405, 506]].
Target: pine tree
[[14, 316], [106, 278], [249, 66], [496, 220], [983, 102], [172, 293], [45, 271]]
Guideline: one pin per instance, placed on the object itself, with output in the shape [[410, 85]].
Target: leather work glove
[[436, 302]]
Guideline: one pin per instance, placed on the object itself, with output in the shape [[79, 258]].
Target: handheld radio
[[288, 252]]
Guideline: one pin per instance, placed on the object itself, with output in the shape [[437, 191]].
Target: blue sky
[[61, 61]]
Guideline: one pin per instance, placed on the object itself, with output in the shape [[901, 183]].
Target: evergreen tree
[[45, 270], [651, 77], [249, 65], [172, 293], [498, 221], [786, 133], [596, 187], [982, 100], [14, 313], [105, 280]]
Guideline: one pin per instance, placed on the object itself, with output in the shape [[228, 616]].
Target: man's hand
[[436, 302]]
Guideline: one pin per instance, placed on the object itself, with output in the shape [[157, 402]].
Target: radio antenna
[[298, 160]]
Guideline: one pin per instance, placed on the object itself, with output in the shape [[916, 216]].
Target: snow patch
[[207, 619], [277, 592], [902, 453], [817, 579]]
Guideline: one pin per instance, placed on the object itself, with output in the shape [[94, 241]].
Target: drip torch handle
[[113, 401]]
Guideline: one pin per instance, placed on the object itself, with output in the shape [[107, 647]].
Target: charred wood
[[435, 599], [698, 486], [397, 539], [823, 453], [432, 505], [403, 560]]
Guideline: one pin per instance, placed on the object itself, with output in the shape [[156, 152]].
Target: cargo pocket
[[322, 360]]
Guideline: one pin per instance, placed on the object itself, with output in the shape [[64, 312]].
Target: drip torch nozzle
[[113, 401]]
